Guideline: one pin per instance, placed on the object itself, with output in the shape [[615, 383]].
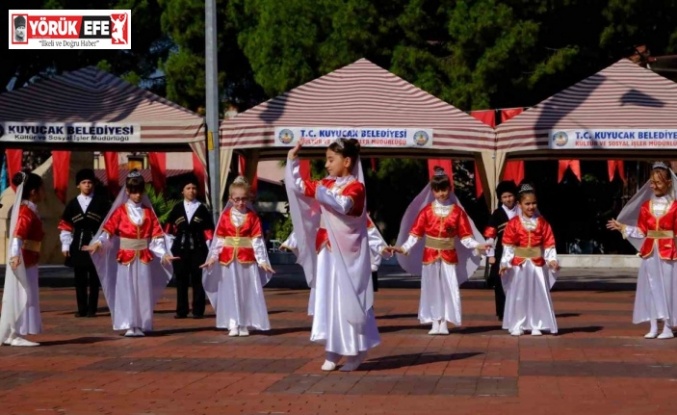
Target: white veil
[[468, 262], [630, 212], [106, 264], [14, 295]]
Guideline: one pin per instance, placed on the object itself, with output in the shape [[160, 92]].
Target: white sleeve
[[411, 242], [260, 251], [299, 184], [469, 242], [376, 243], [15, 247], [104, 240], [158, 247], [338, 203], [508, 255], [66, 238], [216, 249], [290, 243], [632, 232], [550, 254]]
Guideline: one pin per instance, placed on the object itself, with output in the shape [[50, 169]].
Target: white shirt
[[191, 207], [84, 201]]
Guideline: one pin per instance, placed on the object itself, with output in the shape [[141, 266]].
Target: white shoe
[[328, 366], [21, 342], [443, 328], [130, 333], [436, 328], [516, 332], [666, 334], [536, 332], [243, 332], [138, 332], [233, 332], [353, 362], [651, 335]]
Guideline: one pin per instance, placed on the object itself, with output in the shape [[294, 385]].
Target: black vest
[[85, 225], [190, 236]]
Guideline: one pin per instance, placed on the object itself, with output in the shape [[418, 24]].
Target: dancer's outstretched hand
[[554, 265], [484, 247], [295, 150], [93, 248], [208, 264], [396, 249], [14, 262], [168, 259], [502, 271], [266, 267], [614, 225]]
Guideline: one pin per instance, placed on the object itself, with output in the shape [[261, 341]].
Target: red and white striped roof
[[90, 95], [361, 94], [624, 95]]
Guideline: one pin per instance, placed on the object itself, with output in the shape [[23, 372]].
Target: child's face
[[238, 197], [86, 187], [441, 195], [189, 192], [135, 197], [659, 186], [336, 164], [528, 205], [508, 200], [37, 195]]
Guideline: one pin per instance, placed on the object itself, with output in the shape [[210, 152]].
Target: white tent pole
[[212, 105]]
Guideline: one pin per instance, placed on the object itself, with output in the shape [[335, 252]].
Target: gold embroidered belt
[[658, 234], [130, 244], [444, 244], [238, 242], [528, 252], [31, 245]]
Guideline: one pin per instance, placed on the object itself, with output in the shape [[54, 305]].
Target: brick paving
[[599, 363]]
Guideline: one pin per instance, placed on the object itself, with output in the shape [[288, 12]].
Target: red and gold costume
[[353, 190], [134, 239], [528, 244], [322, 238], [238, 239], [29, 230], [440, 233], [659, 231]]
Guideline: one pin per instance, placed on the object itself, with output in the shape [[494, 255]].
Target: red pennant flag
[[112, 172], [61, 161], [373, 164], [14, 163], [200, 173], [446, 164], [574, 165], [509, 113], [489, 118], [243, 169], [304, 169], [514, 170], [612, 165], [158, 170]]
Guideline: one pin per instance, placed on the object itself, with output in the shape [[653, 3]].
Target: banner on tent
[[636, 139], [367, 136], [101, 133]]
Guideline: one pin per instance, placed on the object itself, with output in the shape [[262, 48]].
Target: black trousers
[[374, 280], [86, 288], [188, 273], [499, 294]]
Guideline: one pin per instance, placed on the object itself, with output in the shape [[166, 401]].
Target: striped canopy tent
[[361, 95], [91, 96], [624, 97]]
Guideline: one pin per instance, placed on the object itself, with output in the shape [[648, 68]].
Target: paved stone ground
[[599, 363]]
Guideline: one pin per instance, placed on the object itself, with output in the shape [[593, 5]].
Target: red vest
[[440, 233], [238, 240], [353, 189], [121, 225], [659, 231], [29, 230], [528, 244]]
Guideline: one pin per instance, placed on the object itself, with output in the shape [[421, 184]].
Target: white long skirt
[[440, 294], [239, 299], [134, 303], [29, 321], [330, 327], [528, 304], [656, 296]]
